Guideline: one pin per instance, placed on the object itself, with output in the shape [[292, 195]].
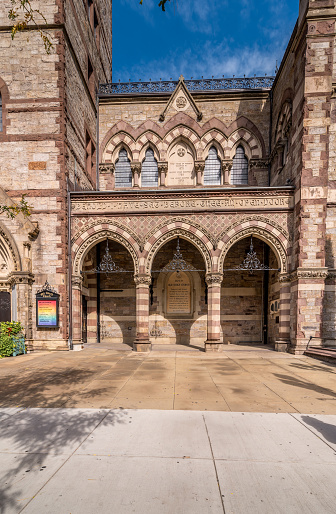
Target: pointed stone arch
[[267, 233], [172, 231], [96, 234], [245, 138], [119, 139], [9, 250]]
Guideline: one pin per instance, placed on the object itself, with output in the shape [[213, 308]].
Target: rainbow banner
[[47, 313]]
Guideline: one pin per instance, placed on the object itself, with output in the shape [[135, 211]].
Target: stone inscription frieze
[[182, 205]]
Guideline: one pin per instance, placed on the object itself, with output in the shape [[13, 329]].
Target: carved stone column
[[23, 282], [136, 170], [77, 313], [141, 343], [213, 342], [226, 169], [283, 342], [163, 170], [199, 169]]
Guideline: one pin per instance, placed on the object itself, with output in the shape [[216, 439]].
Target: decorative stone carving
[[214, 278], [142, 280], [179, 219], [100, 236], [285, 277], [163, 167], [136, 168], [316, 273], [262, 219], [226, 165], [76, 281], [267, 236], [108, 167], [199, 166], [181, 102], [259, 163], [186, 235], [104, 221]]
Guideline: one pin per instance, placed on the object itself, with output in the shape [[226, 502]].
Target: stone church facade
[[147, 224]]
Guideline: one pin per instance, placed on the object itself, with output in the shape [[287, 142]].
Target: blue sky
[[198, 38]]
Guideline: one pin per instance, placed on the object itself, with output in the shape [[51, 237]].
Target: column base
[[213, 346], [142, 346], [77, 346], [281, 346]]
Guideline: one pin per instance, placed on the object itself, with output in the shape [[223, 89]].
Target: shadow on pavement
[[327, 430]]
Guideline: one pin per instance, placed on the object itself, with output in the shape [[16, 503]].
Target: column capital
[[106, 167], [136, 167], [226, 165], [142, 280], [76, 281], [163, 167], [214, 278], [199, 166]]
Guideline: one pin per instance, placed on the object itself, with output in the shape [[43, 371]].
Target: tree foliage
[[30, 15], [14, 210], [161, 4]]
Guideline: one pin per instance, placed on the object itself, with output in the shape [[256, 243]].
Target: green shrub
[[9, 332]]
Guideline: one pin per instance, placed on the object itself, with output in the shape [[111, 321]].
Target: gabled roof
[[181, 96]]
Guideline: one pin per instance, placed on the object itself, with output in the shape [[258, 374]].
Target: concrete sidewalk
[[78, 461]]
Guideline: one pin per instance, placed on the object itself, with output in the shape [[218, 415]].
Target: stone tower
[[48, 147]]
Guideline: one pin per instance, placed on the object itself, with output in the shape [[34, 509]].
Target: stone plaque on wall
[[178, 294], [180, 166]]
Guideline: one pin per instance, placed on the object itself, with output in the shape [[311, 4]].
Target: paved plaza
[[110, 431]]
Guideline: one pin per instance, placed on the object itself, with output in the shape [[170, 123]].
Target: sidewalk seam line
[[214, 463]]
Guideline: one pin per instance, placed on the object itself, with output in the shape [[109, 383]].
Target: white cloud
[[207, 61]]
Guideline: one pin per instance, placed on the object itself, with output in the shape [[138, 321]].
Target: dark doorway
[[84, 319], [5, 306]]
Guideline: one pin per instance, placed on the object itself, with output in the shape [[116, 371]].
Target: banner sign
[[47, 309]]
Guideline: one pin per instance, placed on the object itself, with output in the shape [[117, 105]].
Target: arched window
[[0, 112], [239, 171], [212, 169], [123, 172], [149, 170]]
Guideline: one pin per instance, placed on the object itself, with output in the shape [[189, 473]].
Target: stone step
[[328, 355]]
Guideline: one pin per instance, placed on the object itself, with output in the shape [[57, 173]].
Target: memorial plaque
[[180, 166], [178, 294]]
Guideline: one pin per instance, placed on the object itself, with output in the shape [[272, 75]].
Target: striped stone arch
[[181, 132], [9, 252], [171, 231], [118, 140], [284, 121], [251, 143], [264, 231], [99, 233], [147, 139], [213, 138]]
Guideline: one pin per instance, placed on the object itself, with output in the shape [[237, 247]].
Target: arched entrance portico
[[104, 291], [255, 305]]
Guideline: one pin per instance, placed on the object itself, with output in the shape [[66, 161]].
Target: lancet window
[[149, 170], [123, 172], [239, 171], [212, 169]]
